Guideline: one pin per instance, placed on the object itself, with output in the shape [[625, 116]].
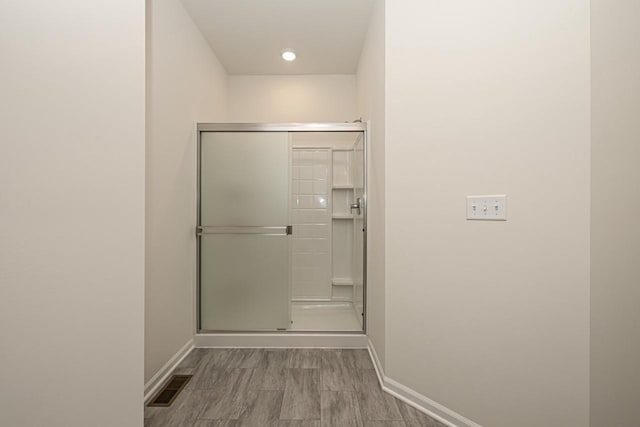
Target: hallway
[[277, 387], [280, 184]]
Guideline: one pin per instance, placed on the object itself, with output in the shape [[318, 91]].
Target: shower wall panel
[[311, 217]]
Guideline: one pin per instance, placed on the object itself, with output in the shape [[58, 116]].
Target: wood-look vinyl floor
[[283, 388]]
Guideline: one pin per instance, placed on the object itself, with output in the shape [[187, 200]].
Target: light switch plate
[[487, 208]]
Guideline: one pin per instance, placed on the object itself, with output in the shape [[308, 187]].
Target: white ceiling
[[248, 36]]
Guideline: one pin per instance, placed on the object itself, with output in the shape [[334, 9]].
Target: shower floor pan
[[324, 316]]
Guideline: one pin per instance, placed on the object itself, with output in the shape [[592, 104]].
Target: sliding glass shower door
[[244, 232], [357, 210]]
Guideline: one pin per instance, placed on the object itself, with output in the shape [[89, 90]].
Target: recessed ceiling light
[[288, 55]]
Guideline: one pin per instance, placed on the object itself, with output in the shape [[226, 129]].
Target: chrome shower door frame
[[282, 127]]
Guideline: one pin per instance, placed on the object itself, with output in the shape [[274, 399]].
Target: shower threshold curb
[[281, 340]]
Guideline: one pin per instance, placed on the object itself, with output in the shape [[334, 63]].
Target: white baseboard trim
[[417, 400], [289, 340], [152, 386]]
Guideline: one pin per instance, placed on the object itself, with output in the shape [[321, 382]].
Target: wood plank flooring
[[283, 388]]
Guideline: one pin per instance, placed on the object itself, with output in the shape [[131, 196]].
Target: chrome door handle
[[287, 230], [357, 205]]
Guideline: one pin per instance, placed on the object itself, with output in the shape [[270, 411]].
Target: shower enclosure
[[281, 227]]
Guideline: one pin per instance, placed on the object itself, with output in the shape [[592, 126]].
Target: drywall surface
[[292, 98], [72, 213], [490, 319], [186, 84], [371, 106], [615, 235]]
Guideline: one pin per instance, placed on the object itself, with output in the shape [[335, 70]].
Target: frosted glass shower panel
[[244, 178], [244, 282], [244, 235], [357, 173]]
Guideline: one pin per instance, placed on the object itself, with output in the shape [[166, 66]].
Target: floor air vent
[[170, 391]]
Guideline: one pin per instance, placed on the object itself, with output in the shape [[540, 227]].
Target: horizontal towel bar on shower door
[[284, 230]]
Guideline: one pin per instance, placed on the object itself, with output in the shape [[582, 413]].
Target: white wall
[[292, 98], [186, 84], [371, 106], [72, 213], [310, 210], [490, 319], [615, 236]]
